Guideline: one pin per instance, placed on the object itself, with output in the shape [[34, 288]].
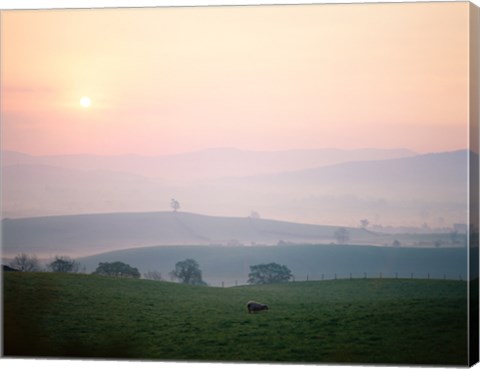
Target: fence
[[350, 276]]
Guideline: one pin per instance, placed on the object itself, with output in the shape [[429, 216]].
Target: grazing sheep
[[254, 307]]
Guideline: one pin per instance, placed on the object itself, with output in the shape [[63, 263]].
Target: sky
[[170, 80]]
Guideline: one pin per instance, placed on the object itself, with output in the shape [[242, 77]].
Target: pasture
[[387, 321]]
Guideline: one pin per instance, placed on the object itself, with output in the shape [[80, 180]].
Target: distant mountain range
[[443, 168], [205, 164], [387, 187]]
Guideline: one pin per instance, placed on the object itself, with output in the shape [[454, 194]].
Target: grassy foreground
[[343, 321]]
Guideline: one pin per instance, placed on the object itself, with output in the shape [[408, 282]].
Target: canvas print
[[254, 184]]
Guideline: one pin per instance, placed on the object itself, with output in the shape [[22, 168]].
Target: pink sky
[[169, 80]]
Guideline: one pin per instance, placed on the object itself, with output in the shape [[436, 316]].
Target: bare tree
[[26, 263], [154, 275], [175, 205], [364, 223]]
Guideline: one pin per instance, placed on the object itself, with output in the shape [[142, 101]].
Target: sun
[[85, 102]]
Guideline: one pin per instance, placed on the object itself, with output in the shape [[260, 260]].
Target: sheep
[[254, 307]]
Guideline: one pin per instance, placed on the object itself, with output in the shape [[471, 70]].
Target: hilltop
[[93, 233]]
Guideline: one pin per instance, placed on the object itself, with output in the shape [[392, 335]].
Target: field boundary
[[352, 276]]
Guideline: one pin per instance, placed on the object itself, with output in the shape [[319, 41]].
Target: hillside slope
[[362, 321], [93, 233], [423, 189], [231, 265]]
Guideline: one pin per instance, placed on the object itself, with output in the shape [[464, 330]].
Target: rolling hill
[[43, 190], [226, 247], [93, 233], [446, 168], [231, 265], [424, 189], [410, 191], [209, 163]]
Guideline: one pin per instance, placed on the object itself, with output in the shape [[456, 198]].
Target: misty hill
[[410, 192], [430, 177], [446, 168], [424, 189], [94, 233], [232, 264], [210, 163], [42, 190]]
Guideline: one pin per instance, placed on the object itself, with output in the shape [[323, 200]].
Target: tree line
[[60, 264], [186, 271]]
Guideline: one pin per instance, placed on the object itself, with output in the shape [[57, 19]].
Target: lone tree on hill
[[188, 272], [269, 273], [364, 223], [175, 205], [25, 263], [63, 264], [117, 269]]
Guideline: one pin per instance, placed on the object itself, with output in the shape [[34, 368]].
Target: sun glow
[[85, 102]]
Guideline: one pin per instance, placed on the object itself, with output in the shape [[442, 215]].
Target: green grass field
[[344, 321]]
